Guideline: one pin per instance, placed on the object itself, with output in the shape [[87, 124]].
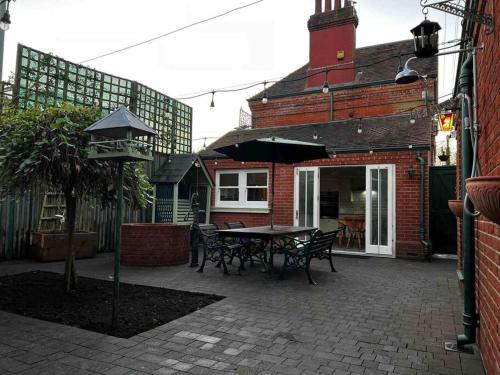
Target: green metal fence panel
[[46, 80]]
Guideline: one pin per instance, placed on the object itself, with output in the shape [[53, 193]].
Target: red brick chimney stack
[[332, 43]]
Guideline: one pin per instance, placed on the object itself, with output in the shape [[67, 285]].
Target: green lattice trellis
[[45, 79]]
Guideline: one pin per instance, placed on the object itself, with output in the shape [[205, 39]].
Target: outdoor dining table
[[267, 235]]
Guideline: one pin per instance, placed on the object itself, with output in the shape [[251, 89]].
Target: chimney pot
[[338, 4], [317, 9], [328, 5]]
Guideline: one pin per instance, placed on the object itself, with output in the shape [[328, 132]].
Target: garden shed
[[176, 181]]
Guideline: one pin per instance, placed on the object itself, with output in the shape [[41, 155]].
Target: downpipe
[[470, 319], [421, 231]]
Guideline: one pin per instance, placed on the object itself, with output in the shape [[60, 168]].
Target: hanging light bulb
[[5, 20], [212, 103], [412, 118], [204, 143], [326, 85], [264, 97], [360, 128], [315, 135]]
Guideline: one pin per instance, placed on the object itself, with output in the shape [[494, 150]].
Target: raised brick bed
[[155, 244]]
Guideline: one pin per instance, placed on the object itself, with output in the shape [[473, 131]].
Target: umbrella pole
[[272, 198]]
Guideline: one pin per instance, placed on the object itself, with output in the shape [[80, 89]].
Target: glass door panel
[[306, 197], [379, 203]]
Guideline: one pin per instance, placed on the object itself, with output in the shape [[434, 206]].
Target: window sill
[[245, 210]]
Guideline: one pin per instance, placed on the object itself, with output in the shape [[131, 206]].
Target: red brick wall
[[155, 244], [487, 238], [376, 100], [407, 194]]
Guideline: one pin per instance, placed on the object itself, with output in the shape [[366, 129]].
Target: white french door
[[306, 197], [380, 209]]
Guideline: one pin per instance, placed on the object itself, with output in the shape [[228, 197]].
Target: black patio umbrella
[[274, 150]]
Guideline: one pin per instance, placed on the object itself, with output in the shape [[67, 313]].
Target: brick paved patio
[[374, 316]]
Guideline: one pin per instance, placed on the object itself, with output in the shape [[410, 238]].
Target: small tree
[[48, 146]]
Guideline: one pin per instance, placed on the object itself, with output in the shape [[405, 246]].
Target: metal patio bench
[[298, 253]]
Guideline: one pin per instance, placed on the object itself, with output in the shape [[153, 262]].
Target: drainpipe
[[425, 244], [468, 251]]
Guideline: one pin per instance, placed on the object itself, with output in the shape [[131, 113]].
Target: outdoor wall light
[[411, 171], [407, 75], [425, 37]]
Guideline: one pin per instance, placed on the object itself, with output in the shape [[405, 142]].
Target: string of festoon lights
[[326, 85]]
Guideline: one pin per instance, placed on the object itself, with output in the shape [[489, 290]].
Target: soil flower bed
[[41, 295]]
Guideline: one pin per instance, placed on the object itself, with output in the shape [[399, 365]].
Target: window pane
[[310, 199], [374, 206], [384, 203], [231, 195], [257, 194], [229, 179], [257, 179]]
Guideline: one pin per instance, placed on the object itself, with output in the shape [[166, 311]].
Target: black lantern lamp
[[426, 39]]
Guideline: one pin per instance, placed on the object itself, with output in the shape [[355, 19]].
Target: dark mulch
[[41, 295]]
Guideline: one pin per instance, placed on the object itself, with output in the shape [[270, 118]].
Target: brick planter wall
[[155, 244]]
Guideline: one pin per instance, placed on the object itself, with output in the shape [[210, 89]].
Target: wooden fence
[[19, 217]]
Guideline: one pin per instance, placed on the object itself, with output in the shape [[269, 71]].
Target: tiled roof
[[175, 168], [387, 54], [378, 133]]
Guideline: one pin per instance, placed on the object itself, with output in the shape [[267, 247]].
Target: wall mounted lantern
[[425, 37]]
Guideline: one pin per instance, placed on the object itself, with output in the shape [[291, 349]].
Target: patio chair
[[298, 254], [251, 247], [214, 249]]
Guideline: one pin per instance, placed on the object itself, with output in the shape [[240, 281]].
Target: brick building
[[486, 237], [378, 153]]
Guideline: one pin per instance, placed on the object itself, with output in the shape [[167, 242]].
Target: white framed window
[[242, 188]]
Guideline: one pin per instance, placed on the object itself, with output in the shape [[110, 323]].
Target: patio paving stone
[[374, 316]]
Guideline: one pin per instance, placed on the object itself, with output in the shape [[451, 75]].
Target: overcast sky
[[265, 41]]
